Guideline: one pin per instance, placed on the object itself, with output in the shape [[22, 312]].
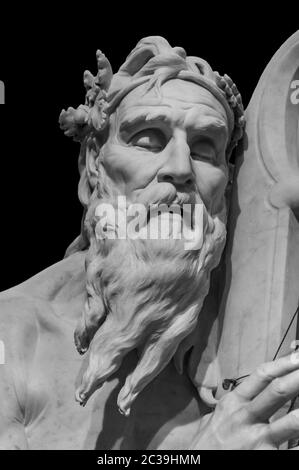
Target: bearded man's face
[[147, 294], [179, 138]]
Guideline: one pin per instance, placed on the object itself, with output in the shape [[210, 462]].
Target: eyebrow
[[213, 129], [146, 116]]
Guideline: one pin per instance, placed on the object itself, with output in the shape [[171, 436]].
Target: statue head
[[160, 131]]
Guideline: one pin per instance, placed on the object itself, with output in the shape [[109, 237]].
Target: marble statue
[[160, 323]]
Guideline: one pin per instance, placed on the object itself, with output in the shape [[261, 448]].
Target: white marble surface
[[262, 273], [260, 276]]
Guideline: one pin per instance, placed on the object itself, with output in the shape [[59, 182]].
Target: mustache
[[166, 193], [156, 199], [169, 197]]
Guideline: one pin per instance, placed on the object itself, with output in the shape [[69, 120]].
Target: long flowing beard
[[144, 294]]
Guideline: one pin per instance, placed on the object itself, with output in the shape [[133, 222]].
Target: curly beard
[[142, 294]]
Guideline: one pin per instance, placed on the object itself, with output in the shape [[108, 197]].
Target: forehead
[[178, 100]]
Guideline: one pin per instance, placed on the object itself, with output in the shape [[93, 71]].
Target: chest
[[165, 416]]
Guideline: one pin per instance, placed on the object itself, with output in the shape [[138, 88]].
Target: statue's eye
[[149, 139], [203, 151]]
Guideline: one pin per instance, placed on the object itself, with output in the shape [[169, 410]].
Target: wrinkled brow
[[210, 127], [152, 114], [213, 127]]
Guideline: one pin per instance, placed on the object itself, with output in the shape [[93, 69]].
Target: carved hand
[[241, 419]]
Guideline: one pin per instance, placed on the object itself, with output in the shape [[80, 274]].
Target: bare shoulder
[[21, 317], [29, 307]]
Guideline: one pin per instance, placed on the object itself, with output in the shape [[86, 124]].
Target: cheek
[[129, 168], [211, 182]]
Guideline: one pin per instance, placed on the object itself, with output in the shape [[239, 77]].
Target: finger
[[263, 376], [275, 396], [285, 429]]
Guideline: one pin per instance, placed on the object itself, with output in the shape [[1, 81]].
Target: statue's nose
[[177, 168]]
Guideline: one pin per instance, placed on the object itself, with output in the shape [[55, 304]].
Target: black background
[[43, 56]]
